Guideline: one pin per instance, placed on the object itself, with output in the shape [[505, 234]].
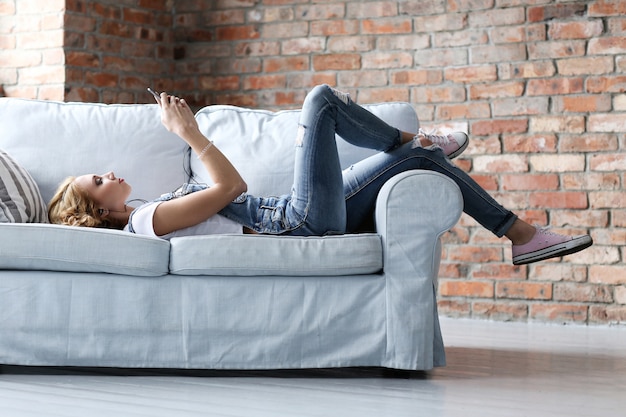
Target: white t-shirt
[[142, 224]]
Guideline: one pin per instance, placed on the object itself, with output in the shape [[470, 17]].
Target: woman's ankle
[[521, 232]]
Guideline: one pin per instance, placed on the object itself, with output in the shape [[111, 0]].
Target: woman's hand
[[176, 116]]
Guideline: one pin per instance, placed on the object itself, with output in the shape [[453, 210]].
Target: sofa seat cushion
[[48, 247], [257, 255]]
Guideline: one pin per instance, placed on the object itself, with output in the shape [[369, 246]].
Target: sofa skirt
[[195, 322]]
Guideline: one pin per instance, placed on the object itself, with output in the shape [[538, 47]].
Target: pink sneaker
[[547, 244], [452, 144]]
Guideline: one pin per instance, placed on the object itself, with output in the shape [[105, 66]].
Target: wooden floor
[[494, 369]]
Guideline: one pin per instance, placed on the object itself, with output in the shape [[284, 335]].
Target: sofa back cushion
[[261, 143], [53, 140]]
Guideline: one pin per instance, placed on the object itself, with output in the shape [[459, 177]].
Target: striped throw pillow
[[20, 199]]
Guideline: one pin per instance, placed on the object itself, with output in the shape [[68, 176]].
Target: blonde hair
[[71, 205]]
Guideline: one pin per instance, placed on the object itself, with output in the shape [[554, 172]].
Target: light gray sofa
[[92, 297]]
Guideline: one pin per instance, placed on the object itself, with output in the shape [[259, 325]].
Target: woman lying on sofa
[[324, 200]]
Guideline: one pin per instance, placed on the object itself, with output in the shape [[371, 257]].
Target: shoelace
[[440, 140]]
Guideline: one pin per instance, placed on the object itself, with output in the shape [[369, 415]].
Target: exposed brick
[[484, 145], [284, 64], [351, 44], [375, 95], [217, 83], [590, 181], [508, 34], [550, 87], [607, 314], [610, 162], [445, 57], [528, 182], [557, 163], [403, 42], [421, 7], [607, 199], [524, 290], [579, 218], [334, 27], [620, 294], [497, 53], [606, 235], [499, 272], [560, 11], [463, 111], [488, 127], [559, 312], [582, 104], [476, 254], [473, 74], [563, 199], [387, 60], [611, 122], [473, 289], [575, 30], [320, 12], [386, 26], [371, 78], [460, 38], [102, 79], [260, 48], [497, 17], [579, 292], [417, 77], [500, 311], [603, 8], [497, 164], [304, 79], [437, 23], [569, 124], [519, 106], [606, 84], [82, 59], [336, 62], [532, 69], [262, 82], [585, 66], [495, 90], [530, 143], [559, 272], [372, 9], [454, 308], [556, 49], [439, 94], [237, 33]]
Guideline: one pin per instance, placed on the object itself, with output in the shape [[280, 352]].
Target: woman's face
[[106, 190]]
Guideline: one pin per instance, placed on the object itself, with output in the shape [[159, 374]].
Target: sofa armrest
[[413, 210]]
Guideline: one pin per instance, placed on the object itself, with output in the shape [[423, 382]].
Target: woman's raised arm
[[196, 207]]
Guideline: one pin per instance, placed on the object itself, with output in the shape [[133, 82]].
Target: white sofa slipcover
[[92, 297]]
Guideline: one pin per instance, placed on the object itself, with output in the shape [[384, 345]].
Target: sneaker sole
[[566, 248], [460, 150]]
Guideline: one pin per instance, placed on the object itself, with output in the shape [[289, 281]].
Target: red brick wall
[[115, 49], [538, 84], [31, 49], [86, 50]]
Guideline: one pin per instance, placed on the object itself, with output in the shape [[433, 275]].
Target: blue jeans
[[324, 200]]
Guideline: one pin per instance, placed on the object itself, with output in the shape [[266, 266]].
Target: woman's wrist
[[205, 149]]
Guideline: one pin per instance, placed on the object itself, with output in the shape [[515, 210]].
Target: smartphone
[[154, 93]]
